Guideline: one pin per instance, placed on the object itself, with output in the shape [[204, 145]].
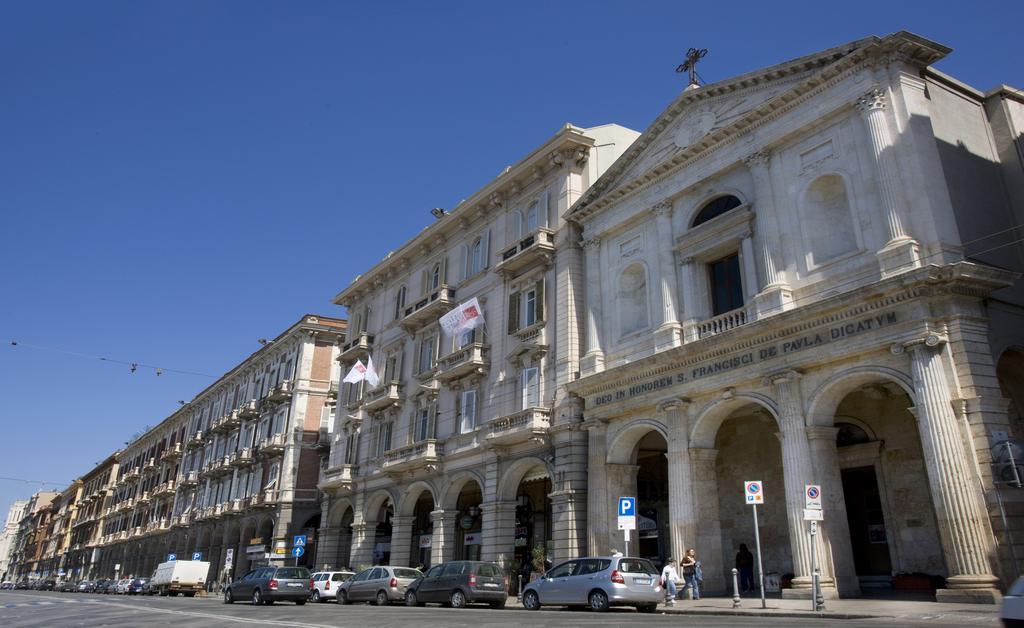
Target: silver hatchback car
[[381, 585], [598, 582]]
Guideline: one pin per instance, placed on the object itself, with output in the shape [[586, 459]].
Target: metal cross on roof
[[693, 55]]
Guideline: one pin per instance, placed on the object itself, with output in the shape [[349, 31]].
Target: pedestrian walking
[[745, 565], [691, 575], [669, 577]]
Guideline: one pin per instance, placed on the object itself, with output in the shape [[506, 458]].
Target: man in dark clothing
[[745, 565]]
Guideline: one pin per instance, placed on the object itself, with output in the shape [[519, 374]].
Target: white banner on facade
[[466, 316]]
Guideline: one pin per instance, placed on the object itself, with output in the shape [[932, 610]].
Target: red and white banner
[[466, 316]]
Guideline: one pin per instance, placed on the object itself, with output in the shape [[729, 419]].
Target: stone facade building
[[787, 281], [9, 535], [463, 449], [30, 542]]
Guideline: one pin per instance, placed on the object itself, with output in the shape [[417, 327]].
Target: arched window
[[826, 219], [632, 299], [400, 302], [850, 434], [715, 208]]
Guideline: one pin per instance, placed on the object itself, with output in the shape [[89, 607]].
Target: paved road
[[50, 610]]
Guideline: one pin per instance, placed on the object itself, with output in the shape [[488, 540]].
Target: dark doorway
[[867, 523]]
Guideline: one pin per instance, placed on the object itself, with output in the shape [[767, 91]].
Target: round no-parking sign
[[754, 492]]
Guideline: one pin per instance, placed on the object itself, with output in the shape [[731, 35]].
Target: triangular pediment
[[705, 116]]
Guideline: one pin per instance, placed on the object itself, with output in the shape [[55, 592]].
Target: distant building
[[9, 535]]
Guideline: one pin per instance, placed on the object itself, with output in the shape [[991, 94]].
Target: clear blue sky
[[178, 179]]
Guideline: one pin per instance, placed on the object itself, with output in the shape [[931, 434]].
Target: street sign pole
[[760, 568]]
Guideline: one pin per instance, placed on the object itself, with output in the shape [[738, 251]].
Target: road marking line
[[243, 620]]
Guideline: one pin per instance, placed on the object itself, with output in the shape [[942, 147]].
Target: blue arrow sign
[[298, 551]]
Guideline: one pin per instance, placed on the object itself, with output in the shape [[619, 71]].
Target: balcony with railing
[[272, 445], [172, 453], [189, 478], [241, 458], [384, 396], [521, 427], [149, 465], [142, 499], [131, 475], [233, 420], [537, 247], [182, 521], [339, 477], [249, 410], [197, 440], [281, 392], [360, 344], [165, 489], [430, 307], [221, 466], [219, 425], [722, 323], [418, 456], [473, 358]]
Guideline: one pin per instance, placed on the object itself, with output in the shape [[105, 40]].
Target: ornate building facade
[[464, 449], [787, 281]]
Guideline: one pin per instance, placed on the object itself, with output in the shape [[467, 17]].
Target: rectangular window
[[391, 369], [529, 308], [427, 352], [465, 338], [384, 442], [423, 424], [726, 284], [275, 469], [531, 387], [350, 449], [467, 420]]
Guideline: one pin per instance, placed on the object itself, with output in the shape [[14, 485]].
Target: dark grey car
[[459, 583], [597, 582], [266, 585], [381, 585]]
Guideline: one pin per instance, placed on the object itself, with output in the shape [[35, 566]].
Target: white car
[[327, 583], [1012, 612]]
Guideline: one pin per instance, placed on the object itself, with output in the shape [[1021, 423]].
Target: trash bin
[[772, 582]]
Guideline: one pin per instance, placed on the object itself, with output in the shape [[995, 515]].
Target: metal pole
[[760, 568], [519, 591], [814, 562], [735, 588]]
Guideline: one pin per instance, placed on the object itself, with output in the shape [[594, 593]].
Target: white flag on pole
[[357, 374], [466, 316], [371, 373]]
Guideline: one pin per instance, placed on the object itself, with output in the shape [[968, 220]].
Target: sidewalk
[[856, 608]]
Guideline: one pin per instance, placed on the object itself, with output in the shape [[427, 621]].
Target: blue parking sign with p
[[197, 555], [171, 557], [627, 506]]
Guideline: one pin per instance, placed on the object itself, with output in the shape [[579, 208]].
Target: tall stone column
[[749, 265], [707, 539], [901, 252], [327, 547], [964, 528], [837, 562], [442, 541], [498, 530], [775, 295], [598, 533], [621, 483], [692, 308], [593, 359], [798, 472], [669, 333], [362, 544], [682, 510], [401, 540]]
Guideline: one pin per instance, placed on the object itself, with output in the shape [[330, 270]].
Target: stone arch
[[622, 449], [338, 509], [374, 503], [698, 207], [450, 495], [826, 397], [411, 495], [1010, 375], [512, 477], [711, 417]]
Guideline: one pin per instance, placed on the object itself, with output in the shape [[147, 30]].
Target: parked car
[[24, 584], [1012, 611], [266, 585], [136, 586], [6, 585], [381, 585], [598, 582], [68, 586], [460, 583], [327, 583], [47, 585], [86, 586], [105, 586], [121, 588]]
